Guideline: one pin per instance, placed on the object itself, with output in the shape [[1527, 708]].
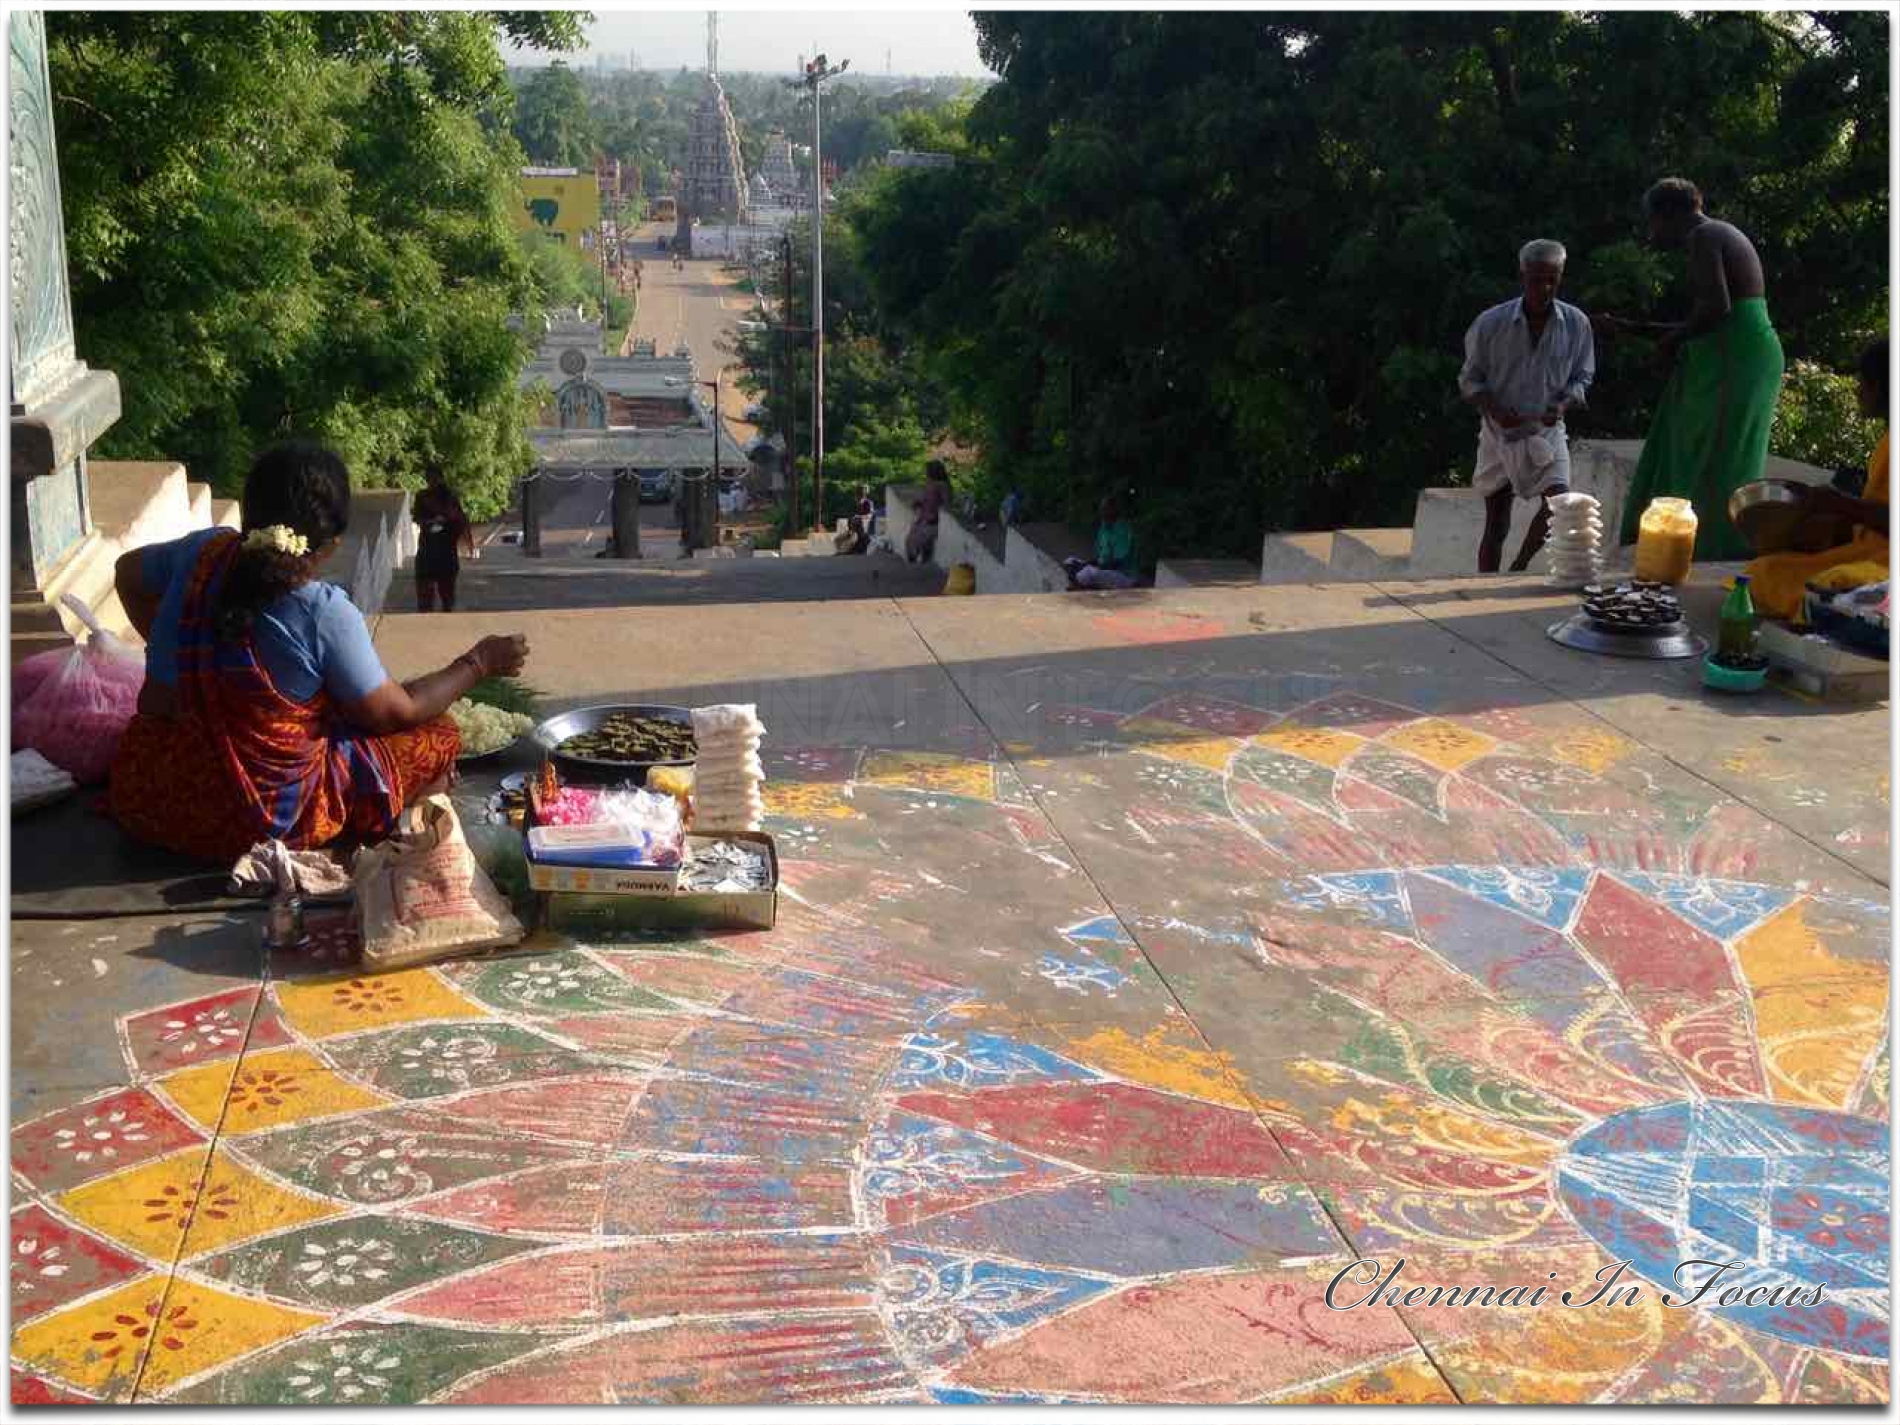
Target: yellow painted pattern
[[277, 1086], [1327, 746], [1445, 745], [86, 1346], [1434, 1125], [341, 1003], [1817, 1015], [931, 772], [813, 799], [1409, 1381], [1179, 743], [1561, 1357], [1165, 1059], [1595, 749], [149, 1207], [189, 1329]]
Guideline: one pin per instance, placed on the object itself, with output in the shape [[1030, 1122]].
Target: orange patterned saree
[[239, 763]]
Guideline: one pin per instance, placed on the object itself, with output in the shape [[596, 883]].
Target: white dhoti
[[1530, 465]]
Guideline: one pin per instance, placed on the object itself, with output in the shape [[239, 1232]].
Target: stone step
[[1446, 526], [227, 514], [1205, 573], [1370, 553], [1297, 558], [200, 504], [140, 501]]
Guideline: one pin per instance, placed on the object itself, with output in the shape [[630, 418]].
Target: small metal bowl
[[1767, 512], [550, 734]]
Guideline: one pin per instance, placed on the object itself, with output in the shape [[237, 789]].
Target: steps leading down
[[1297, 558], [1371, 553], [133, 503]]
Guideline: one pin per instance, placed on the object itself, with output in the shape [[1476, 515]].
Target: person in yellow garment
[[1710, 433], [1777, 581]]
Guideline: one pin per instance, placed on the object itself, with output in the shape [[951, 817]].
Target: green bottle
[[1736, 641]]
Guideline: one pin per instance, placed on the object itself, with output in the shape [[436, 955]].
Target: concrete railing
[[381, 540], [1032, 556], [1447, 524]]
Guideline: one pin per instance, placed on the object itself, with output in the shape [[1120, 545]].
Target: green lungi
[[1710, 434]]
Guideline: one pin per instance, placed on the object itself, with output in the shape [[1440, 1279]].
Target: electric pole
[[791, 391], [816, 73]]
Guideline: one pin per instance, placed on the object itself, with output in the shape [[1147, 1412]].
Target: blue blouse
[[311, 638]]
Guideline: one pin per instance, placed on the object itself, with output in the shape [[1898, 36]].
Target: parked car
[[656, 486]]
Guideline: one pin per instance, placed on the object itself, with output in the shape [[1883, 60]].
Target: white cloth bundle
[[727, 773]]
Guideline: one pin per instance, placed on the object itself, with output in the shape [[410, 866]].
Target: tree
[[1225, 260], [299, 223], [552, 120]]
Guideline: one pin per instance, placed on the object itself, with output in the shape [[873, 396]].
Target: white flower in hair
[[279, 537]]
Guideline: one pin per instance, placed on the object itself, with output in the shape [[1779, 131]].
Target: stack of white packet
[[1575, 546], [728, 773]]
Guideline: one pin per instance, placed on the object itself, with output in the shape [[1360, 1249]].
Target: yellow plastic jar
[[1665, 541]]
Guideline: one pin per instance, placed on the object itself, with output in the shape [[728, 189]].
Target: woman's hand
[[500, 655]]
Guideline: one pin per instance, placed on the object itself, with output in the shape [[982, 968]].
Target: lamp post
[[817, 72], [717, 426]]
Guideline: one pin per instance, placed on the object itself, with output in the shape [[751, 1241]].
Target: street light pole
[[791, 390], [816, 73], [716, 427]]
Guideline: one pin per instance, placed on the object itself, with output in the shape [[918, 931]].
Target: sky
[[920, 42]]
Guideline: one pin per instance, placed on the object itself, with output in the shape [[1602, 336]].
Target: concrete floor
[[1144, 960]]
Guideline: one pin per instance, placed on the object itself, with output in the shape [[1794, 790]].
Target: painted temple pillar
[[59, 406]]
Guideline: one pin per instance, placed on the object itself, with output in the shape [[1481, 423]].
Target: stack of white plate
[[1575, 546]]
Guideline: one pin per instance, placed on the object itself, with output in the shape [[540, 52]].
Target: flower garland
[[281, 538]]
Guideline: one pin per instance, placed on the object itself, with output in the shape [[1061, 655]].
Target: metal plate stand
[[1670, 640]]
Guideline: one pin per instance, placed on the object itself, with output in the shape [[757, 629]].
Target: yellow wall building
[[562, 202]]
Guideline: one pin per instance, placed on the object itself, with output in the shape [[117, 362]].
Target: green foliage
[[508, 694], [552, 121], [1818, 419], [876, 454], [1226, 260], [561, 276], [299, 222]]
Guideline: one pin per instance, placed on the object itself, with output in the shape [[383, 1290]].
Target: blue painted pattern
[[1725, 909], [1545, 894], [1796, 1198], [979, 1061], [1372, 893], [941, 1306], [1102, 927]]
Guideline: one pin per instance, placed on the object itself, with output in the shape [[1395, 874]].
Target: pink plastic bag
[[72, 705]]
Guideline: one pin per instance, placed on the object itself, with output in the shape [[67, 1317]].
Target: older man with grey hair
[[1527, 361]]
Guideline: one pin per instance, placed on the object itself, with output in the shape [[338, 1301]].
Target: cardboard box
[[575, 911], [604, 880]]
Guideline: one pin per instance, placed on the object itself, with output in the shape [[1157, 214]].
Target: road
[[700, 306], [697, 306]]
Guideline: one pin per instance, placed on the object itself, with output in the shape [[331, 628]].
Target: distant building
[[562, 202], [777, 168], [716, 186]]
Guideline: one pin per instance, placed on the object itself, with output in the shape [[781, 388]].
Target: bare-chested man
[[1710, 432]]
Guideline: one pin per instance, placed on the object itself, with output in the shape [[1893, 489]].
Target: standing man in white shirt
[[1527, 361]]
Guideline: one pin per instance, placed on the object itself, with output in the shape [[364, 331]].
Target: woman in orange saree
[[266, 713]]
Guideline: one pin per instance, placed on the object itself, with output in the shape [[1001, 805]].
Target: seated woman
[[266, 712], [1777, 582], [1114, 563], [852, 539]]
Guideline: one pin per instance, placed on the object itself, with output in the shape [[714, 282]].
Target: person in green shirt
[[1114, 563]]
